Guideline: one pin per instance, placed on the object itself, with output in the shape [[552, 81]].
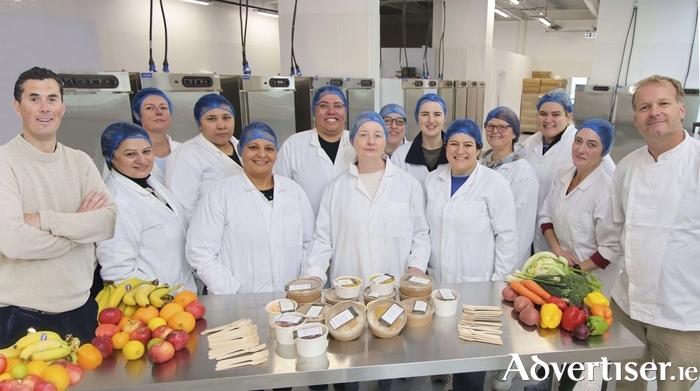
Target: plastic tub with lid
[[386, 318], [311, 339], [382, 284], [346, 321], [285, 325], [416, 319], [347, 287], [416, 285], [304, 290], [274, 308]]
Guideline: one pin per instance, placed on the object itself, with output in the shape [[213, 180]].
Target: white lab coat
[[472, 232], [583, 220], [545, 166], [194, 167], [239, 242], [149, 238], [156, 172], [416, 170], [658, 204], [302, 159], [525, 188], [360, 236]]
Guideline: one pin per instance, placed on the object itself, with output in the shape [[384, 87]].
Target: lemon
[[133, 350], [19, 371]]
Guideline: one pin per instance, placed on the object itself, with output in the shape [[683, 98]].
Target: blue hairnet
[[367, 116], [254, 131], [325, 90], [557, 96], [393, 108], [430, 97], [116, 133], [465, 126], [143, 94], [604, 130], [505, 114], [210, 102]]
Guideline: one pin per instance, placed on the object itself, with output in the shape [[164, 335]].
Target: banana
[[72, 358], [142, 295], [156, 297], [130, 310], [122, 307], [120, 290], [35, 337], [103, 297], [10, 352], [52, 354], [40, 347]]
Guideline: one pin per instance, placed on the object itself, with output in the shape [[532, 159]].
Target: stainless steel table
[[431, 349]]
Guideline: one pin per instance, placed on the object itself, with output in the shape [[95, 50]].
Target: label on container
[[345, 282], [297, 287], [373, 295], [314, 311], [342, 318], [290, 319], [286, 306], [382, 279], [420, 307], [446, 294], [391, 314], [308, 333], [419, 280]]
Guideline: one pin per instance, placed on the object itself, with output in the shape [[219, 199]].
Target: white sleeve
[[618, 211], [119, 256], [183, 178], [420, 246], [502, 214], [321, 251], [607, 231], [204, 243], [309, 221], [283, 164], [525, 195], [545, 214]]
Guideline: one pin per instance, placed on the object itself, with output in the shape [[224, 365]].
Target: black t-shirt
[[547, 147], [330, 148], [234, 157], [269, 193]]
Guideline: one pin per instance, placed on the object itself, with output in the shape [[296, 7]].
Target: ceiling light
[[545, 22], [514, 2], [200, 2], [268, 13], [503, 14]]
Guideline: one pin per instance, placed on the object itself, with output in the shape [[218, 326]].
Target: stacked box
[[528, 112], [547, 85], [542, 74], [531, 86]]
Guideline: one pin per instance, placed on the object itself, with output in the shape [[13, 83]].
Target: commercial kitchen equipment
[[593, 101], [692, 108], [446, 90], [413, 89], [184, 90], [94, 100], [627, 138], [231, 86], [270, 99], [475, 101], [358, 92]]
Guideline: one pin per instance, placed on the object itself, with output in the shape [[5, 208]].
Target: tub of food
[[311, 339], [419, 312], [315, 312], [370, 296], [279, 306], [346, 321], [332, 298], [304, 290], [416, 285], [347, 287], [446, 302], [285, 325], [386, 318], [382, 284]]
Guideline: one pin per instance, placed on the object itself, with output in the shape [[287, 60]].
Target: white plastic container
[[273, 309], [347, 291], [314, 346], [445, 307], [285, 334], [383, 288]]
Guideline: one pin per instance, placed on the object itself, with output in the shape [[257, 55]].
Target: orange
[[58, 375], [5, 375], [120, 339], [11, 362], [36, 367], [89, 357], [125, 320], [156, 322], [133, 350], [185, 297], [145, 314], [170, 309], [182, 321]]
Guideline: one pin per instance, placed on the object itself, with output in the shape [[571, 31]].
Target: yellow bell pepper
[[550, 316], [594, 298], [603, 311]]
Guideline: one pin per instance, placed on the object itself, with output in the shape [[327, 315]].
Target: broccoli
[[579, 288]]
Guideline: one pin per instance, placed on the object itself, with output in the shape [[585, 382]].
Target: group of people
[[240, 215]]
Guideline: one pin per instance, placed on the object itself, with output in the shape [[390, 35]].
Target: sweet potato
[[522, 302], [529, 316], [508, 294]]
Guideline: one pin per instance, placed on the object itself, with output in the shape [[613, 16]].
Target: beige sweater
[[50, 269]]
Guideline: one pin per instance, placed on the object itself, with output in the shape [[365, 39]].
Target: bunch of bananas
[[133, 293], [45, 346]]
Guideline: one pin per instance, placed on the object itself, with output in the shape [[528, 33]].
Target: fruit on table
[[161, 352], [75, 373], [161, 331], [142, 334], [152, 342], [596, 324], [106, 330], [44, 385], [145, 314], [7, 384], [133, 350], [156, 322], [196, 308], [559, 302], [3, 363], [550, 316], [120, 339], [110, 316], [120, 290], [104, 344], [596, 298], [572, 317], [185, 297], [19, 371], [170, 309], [102, 297], [178, 338], [57, 375], [132, 325], [89, 357], [30, 381], [603, 311], [182, 321], [36, 367], [155, 298]]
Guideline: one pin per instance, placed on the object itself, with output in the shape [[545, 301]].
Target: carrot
[[536, 289], [522, 291]]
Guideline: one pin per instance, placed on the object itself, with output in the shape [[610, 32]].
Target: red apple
[[178, 338], [44, 385], [60, 362], [196, 308], [76, 373], [132, 325], [110, 316], [161, 352], [7, 384], [21, 387], [106, 330], [31, 380], [3, 363], [104, 345], [142, 334], [162, 331]]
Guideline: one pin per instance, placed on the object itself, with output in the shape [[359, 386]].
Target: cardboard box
[[542, 74], [531, 97], [550, 82], [532, 82], [546, 89], [531, 90]]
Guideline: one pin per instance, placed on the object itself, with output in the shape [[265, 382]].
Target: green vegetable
[[572, 288], [597, 325], [543, 263]]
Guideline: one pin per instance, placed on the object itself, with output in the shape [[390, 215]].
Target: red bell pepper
[[561, 304], [572, 317]]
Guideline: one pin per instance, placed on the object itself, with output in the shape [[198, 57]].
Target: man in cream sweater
[[54, 207]]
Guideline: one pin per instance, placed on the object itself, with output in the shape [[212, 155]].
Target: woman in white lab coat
[[251, 231], [550, 148], [149, 239], [471, 214], [506, 157], [395, 119], [426, 152], [372, 217], [208, 157], [576, 217]]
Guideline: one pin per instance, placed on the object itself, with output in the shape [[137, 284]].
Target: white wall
[[390, 61], [516, 67]]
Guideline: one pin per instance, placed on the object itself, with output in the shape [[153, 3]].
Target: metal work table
[[419, 351]]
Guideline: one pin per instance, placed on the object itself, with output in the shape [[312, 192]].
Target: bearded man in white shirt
[[656, 193]]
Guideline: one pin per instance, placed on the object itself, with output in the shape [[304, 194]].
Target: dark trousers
[[80, 322], [472, 381]]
